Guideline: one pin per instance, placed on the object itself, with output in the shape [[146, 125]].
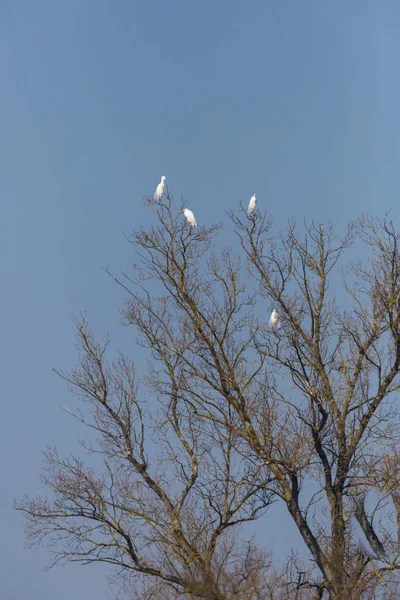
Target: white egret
[[252, 205], [273, 321], [189, 217], [160, 189]]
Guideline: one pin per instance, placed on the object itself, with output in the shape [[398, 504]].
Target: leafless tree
[[304, 413]]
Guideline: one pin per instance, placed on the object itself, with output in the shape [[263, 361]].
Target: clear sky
[[296, 101]]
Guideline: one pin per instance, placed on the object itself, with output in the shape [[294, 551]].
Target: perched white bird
[[190, 217], [160, 189], [252, 205], [273, 321]]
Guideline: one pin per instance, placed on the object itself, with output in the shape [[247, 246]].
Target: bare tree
[[303, 413]]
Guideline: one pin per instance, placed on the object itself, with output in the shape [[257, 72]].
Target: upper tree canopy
[[234, 414]]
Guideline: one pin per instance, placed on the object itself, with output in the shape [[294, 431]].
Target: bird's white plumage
[[160, 189], [189, 217], [273, 321], [252, 205]]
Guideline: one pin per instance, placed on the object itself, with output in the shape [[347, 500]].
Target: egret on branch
[[273, 321], [160, 189], [252, 205], [189, 217]]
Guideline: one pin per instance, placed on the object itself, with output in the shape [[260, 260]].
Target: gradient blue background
[[296, 101]]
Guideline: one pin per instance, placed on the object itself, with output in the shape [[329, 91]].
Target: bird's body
[[273, 321], [189, 217], [252, 205], [159, 190]]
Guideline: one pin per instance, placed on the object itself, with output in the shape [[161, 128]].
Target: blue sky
[[296, 101]]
